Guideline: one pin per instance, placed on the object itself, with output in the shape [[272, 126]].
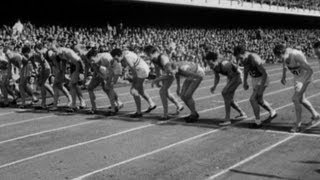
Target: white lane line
[[127, 102], [291, 135], [72, 146], [113, 135], [178, 143], [46, 131], [287, 133], [24, 121], [149, 89]]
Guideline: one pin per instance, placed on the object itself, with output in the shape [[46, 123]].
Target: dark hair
[[150, 49], [211, 56], [92, 52], [116, 52], [239, 50], [279, 49], [25, 49], [38, 46], [316, 45]]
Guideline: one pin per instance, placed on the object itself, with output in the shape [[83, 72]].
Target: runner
[[58, 67], [253, 65], [302, 72], [5, 81], [233, 73], [26, 73], [194, 75], [140, 72], [76, 67], [43, 72], [163, 63], [105, 72]]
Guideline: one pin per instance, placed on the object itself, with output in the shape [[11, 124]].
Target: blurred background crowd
[[188, 44]]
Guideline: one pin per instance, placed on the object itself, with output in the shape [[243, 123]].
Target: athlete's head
[[279, 50], [92, 53], [211, 59], [117, 54], [316, 48], [151, 51], [239, 53]]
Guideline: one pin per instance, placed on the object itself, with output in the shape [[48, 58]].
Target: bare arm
[[216, 81], [178, 84], [284, 73], [245, 77]]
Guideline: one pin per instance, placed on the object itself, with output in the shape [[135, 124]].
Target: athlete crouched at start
[[76, 66], [26, 73], [106, 72], [163, 63], [234, 79], [302, 72], [194, 75], [140, 72], [5, 73], [253, 66]]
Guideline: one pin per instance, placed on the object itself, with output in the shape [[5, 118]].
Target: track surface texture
[[59, 146]]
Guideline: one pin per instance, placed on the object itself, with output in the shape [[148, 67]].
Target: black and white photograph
[[160, 90]]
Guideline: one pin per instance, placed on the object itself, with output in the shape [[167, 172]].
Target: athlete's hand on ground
[[245, 86], [283, 81], [212, 89]]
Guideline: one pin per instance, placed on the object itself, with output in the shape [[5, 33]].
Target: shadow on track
[[260, 175]]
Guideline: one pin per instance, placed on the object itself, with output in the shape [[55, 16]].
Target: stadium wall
[[243, 6], [141, 13]]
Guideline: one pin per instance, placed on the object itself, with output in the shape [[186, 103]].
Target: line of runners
[[49, 62]]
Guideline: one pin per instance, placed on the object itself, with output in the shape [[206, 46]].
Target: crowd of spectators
[[302, 4], [187, 44]]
